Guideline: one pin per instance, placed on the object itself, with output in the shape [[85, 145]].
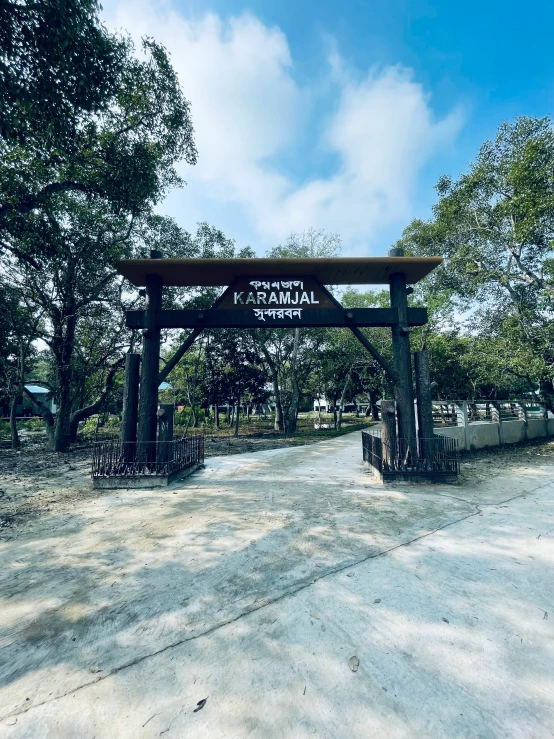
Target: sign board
[[276, 298]]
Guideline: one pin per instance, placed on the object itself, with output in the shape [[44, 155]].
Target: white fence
[[483, 424]]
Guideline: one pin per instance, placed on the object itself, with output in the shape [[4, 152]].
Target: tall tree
[[495, 227], [75, 201], [120, 148], [57, 62], [284, 351]]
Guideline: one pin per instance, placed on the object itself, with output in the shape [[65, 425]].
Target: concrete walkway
[[261, 582]]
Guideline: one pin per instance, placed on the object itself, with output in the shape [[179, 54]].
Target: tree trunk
[[335, 412], [63, 351], [547, 393], [295, 392], [63, 414], [278, 425], [16, 398], [237, 417], [342, 399], [46, 414], [374, 409], [83, 413], [216, 416]]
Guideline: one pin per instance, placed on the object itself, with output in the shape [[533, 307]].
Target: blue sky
[[340, 116]]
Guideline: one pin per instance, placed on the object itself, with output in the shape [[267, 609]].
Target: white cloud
[[248, 110]]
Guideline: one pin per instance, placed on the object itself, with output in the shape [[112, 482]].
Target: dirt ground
[[35, 483]]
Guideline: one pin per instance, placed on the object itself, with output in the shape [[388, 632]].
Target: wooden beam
[[245, 318], [148, 403], [403, 388], [179, 354], [130, 406], [377, 356]]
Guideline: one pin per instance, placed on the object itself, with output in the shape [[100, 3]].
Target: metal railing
[[451, 412], [437, 456], [114, 458]]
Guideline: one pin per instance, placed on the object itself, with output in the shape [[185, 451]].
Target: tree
[[19, 327], [72, 205], [284, 351], [120, 152], [57, 63], [495, 228]]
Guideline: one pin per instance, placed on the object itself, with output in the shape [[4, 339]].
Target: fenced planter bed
[[145, 464], [416, 460]]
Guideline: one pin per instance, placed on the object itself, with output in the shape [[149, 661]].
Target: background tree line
[[91, 131]]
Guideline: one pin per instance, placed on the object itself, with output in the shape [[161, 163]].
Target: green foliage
[[121, 153], [57, 63], [495, 228], [76, 197]]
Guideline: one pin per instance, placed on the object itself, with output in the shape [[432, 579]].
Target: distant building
[[325, 406], [26, 409]]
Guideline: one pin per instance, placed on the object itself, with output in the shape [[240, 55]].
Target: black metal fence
[[114, 458], [438, 456]]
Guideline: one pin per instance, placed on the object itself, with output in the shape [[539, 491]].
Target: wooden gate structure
[[279, 293]]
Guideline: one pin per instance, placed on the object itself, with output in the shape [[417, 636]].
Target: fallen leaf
[[446, 621], [353, 663], [200, 705]]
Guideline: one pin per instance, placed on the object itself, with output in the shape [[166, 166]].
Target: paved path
[[255, 582]]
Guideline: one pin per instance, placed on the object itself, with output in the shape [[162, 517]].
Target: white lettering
[[261, 298], [304, 298], [262, 313], [284, 298], [272, 298], [238, 299], [294, 302], [250, 298], [313, 299]]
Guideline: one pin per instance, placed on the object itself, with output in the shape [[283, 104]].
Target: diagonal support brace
[[377, 356], [179, 354]]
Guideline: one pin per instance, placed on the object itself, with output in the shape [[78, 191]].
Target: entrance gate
[[281, 293]]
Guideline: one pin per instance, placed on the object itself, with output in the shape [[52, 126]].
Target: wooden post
[[424, 405], [403, 388], [388, 433], [496, 418], [130, 406], [462, 419], [165, 432], [150, 367]]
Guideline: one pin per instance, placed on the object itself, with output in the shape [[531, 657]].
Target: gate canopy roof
[[330, 271]]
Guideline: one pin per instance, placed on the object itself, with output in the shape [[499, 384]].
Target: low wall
[[513, 431], [482, 434], [454, 432]]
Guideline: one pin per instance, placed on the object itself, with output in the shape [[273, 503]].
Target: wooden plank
[[247, 318], [328, 271]]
